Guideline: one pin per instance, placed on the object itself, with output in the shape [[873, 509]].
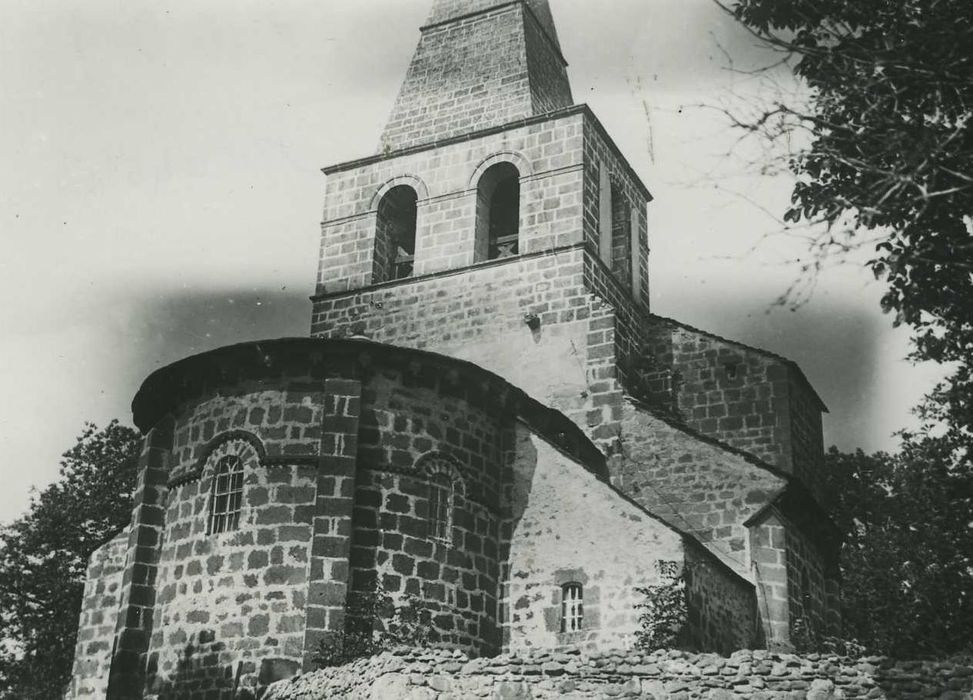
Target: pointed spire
[[479, 64]]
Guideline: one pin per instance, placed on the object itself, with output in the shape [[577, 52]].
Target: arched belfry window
[[443, 483], [226, 495], [395, 235], [498, 213]]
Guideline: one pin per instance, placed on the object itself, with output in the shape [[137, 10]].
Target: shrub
[[373, 624], [663, 616]]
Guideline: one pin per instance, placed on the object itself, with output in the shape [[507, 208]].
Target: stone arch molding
[[434, 464], [411, 180], [514, 158], [247, 446]]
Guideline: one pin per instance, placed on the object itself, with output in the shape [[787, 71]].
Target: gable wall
[[697, 486], [564, 525], [764, 409]]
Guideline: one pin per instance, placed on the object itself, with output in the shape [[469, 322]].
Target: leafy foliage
[[907, 563], [375, 624], [807, 638], [890, 156], [663, 614], [44, 554]]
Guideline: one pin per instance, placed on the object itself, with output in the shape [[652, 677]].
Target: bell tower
[[498, 222]]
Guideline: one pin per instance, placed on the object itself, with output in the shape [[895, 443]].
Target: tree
[[44, 554], [907, 562], [888, 121]]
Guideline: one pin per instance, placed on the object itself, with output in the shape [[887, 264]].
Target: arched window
[[572, 607], [498, 213], [441, 508], [443, 482], [395, 235], [226, 496]]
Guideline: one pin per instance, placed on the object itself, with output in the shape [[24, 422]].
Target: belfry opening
[[498, 213]]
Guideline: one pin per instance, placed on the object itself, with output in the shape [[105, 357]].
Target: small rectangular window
[[572, 607]]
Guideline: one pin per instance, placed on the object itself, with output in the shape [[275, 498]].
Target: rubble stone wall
[[661, 675]]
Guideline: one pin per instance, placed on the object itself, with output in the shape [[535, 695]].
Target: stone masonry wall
[[768, 552], [285, 419], [661, 675], [231, 606], [566, 526], [807, 437], [456, 580], [723, 614], [99, 613], [548, 155], [473, 315], [747, 398], [692, 483], [482, 58], [472, 72], [602, 158], [805, 573], [550, 89], [136, 610], [405, 419]]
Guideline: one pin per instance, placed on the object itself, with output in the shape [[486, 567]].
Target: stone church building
[[486, 416]]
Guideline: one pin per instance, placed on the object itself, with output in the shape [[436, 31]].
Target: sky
[[161, 193]]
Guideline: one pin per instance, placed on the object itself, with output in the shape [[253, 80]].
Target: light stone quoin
[[486, 419]]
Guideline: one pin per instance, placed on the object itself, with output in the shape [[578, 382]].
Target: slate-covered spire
[[479, 64]]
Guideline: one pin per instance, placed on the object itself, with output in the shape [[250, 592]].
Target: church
[[486, 416]]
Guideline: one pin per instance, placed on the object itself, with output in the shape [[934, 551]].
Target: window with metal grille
[[572, 607], [226, 497], [441, 508]]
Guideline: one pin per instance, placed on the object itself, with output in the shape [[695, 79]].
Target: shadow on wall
[[200, 676], [519, 479]]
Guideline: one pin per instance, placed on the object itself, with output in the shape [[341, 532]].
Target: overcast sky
[[160, 195]]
